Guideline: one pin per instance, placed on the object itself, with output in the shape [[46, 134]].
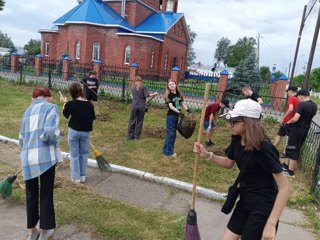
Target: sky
[[277, 22]]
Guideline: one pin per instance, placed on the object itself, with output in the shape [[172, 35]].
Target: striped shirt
[[39, 138]]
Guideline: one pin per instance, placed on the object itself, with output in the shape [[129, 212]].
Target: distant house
[[4, 51], [120, 32]]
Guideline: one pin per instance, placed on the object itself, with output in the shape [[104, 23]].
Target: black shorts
[[248, 224], [284, 130], [92, 97], [297, 136]]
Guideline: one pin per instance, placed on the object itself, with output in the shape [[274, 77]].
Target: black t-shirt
[[82, 115], [258, 188], [307, 110], [90, 82], [254, 96], [176, 101]]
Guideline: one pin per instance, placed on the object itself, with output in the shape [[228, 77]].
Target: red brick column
[[134, 68], [66, 68], [14, 62], [278, 93], [97, 66], [38, 65], [222, 85], [175, 74]]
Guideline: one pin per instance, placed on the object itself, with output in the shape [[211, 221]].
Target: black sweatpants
[[46, 214], [136, 121]]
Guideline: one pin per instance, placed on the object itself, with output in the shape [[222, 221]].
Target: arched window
[[174, 62], [152, 59], [46, 50], [95, 51], [77, 55], [166, 61], [127, 55]]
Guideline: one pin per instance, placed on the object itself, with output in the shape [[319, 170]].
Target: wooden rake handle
[[196, 162]]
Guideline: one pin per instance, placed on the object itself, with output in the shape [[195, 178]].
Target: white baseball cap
[[243, 108]]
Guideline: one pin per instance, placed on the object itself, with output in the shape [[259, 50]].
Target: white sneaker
[[75, 180], [173, 155], [83, 179], [46, 234]]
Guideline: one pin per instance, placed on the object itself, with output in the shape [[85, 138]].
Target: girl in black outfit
[[80, 124], [264, 188]]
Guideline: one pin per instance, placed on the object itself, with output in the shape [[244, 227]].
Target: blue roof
[[95, 12], [99, 13], [159, 22]]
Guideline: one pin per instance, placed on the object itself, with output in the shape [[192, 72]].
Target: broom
[[6, 185], [191, 229], [103, 164]]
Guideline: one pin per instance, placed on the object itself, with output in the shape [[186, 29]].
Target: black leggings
[[47, 217]]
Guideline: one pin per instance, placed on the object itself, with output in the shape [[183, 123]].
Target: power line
[[276, 51]]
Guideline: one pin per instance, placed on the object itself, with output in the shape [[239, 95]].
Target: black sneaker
[[212, 142], [289, 173], [285, 166]]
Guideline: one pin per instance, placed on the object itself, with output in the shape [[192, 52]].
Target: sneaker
[[285, 166], [34, 235], [83, 179], [289, 173], [46, 234], [173, 155], [75, 180]]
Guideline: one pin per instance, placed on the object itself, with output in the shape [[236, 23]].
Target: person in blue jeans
[[174, 99], [81, 113]]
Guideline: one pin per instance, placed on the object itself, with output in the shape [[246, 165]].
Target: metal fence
[[115, 83]]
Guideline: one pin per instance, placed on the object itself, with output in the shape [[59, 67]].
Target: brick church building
[[120, 32]]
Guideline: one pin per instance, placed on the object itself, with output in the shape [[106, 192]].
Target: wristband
[[211, 155]]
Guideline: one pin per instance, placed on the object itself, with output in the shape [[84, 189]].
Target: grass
[[145, 154]]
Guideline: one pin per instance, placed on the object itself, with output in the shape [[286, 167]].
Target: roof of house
[[96, 12]]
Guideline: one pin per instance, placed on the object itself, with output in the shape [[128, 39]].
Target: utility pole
[[258, 50], [298, 43], [312, 50]]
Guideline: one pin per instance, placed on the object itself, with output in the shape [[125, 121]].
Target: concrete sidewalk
[[149, 194]]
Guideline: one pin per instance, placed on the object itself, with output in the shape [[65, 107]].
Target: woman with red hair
[[39, 141]]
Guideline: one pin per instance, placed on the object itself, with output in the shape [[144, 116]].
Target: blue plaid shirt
[[39, 138]]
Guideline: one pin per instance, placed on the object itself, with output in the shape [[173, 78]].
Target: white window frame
[[77, 54], [165, 61], [152, 59], [46, 49], [127, 55], [95, 51]]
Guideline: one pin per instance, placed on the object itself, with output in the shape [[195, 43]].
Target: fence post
[[175, 74], [97, 66], [222, 85], [38, 65], [66, 68], [278, 92], [14, 62]]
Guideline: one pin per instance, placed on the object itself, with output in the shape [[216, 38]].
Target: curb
[[209, 193]]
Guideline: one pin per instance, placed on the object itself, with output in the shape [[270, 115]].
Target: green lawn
[[109, 137]]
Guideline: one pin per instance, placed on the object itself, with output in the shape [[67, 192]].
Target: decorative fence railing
[[115, 83]]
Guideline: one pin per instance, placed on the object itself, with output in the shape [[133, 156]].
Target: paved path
[[137, 191]]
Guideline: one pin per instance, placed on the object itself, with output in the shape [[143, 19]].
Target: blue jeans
[[171, 133], [79, 152]]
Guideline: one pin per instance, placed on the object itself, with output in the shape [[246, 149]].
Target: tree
[[191, 53], [222, 49], [315, 79], [298, 80], [1, 4], [5, 41], [246, 73], [33, 47], [265, 74], [240, 51]]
